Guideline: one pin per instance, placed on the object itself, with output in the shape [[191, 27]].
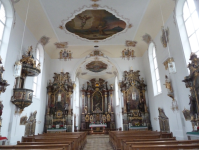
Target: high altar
[[97, 105], [59, 105], [135, 113]]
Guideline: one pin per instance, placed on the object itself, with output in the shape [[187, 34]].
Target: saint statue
[[109, 108], [1, 108], [66, 108], [85, 109]]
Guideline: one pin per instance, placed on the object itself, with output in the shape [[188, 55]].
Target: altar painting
[[97, 101], [96, 66], [95, 24], [133, 104]]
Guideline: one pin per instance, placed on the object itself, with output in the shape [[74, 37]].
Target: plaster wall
[[178, 125], [11, 127]]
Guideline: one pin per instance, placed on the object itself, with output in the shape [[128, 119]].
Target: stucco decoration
[[44, 40], [61, 44], [147, 38], [95, 24], [96, 66]]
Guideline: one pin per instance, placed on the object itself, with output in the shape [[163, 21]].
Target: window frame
[[179, 14], [3, 23], [157, 89], [195, 30]]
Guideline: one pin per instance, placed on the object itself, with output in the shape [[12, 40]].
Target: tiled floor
[[98, 142]]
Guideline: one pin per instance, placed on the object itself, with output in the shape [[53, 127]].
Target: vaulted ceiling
[[46, 16]]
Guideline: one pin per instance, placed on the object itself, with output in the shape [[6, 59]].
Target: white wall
[[10, 124], [178, 125]]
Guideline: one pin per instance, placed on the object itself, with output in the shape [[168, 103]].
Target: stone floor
[[98, 142]]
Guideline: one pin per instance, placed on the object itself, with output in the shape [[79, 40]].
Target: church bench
[[171, 142], [75, 146], [128, 142], [67, 143], [164, 147], [26, 147], [117, 141]]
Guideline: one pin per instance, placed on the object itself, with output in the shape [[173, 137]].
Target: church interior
[[99, 74]]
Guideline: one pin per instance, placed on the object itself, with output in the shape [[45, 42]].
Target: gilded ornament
[[164, 37], [168, 61]]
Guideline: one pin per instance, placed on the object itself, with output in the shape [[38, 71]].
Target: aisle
[[97, 142]]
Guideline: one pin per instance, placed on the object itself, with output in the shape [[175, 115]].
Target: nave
[[98, 142]]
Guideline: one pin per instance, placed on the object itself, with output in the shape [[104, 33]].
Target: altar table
[[138, 128], [56, 130], [97, 127], [193, 135]]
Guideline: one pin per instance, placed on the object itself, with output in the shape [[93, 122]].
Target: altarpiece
[[192, 82], [135, 111], [97, 104], [59, 105]]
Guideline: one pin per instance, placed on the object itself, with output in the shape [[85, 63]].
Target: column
[[89, 102], [105, 101]]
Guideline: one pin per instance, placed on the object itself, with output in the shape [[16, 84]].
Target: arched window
[[39, 57], [6, 20], [187, 12], [154, 69], [2, 21], [116, 91], [191, 21]]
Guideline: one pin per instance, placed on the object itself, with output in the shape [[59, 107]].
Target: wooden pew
[[26, 147], [127, 145], [116, 137], [78, 144], [164, 147], [67, 144]]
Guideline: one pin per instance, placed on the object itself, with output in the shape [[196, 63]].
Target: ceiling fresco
[[96, 66], [95, 24]]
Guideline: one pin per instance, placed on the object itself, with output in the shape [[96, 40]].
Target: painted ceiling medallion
[[96, 66], [95, 25]]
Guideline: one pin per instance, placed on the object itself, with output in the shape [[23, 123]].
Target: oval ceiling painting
[[96, 66], [95, 25]]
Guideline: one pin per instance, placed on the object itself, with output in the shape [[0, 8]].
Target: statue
[[85, 109], [29, 50], [109, 108], [168, 84], [1, 108], [141, 106], [50, 82], [89, 86], [66, 108], [193, 105], [52, 108]]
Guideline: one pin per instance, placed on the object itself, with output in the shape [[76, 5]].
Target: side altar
[[97, 105], [135, 112], [59, 105]]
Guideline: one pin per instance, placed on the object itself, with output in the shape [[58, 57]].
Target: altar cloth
[[97, 125]]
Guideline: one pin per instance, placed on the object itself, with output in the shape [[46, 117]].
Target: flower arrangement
[[198, 128], [53, 126], [61, 126]]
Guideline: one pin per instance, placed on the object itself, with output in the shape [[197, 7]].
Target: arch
[[9, 13], [78, 64]]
